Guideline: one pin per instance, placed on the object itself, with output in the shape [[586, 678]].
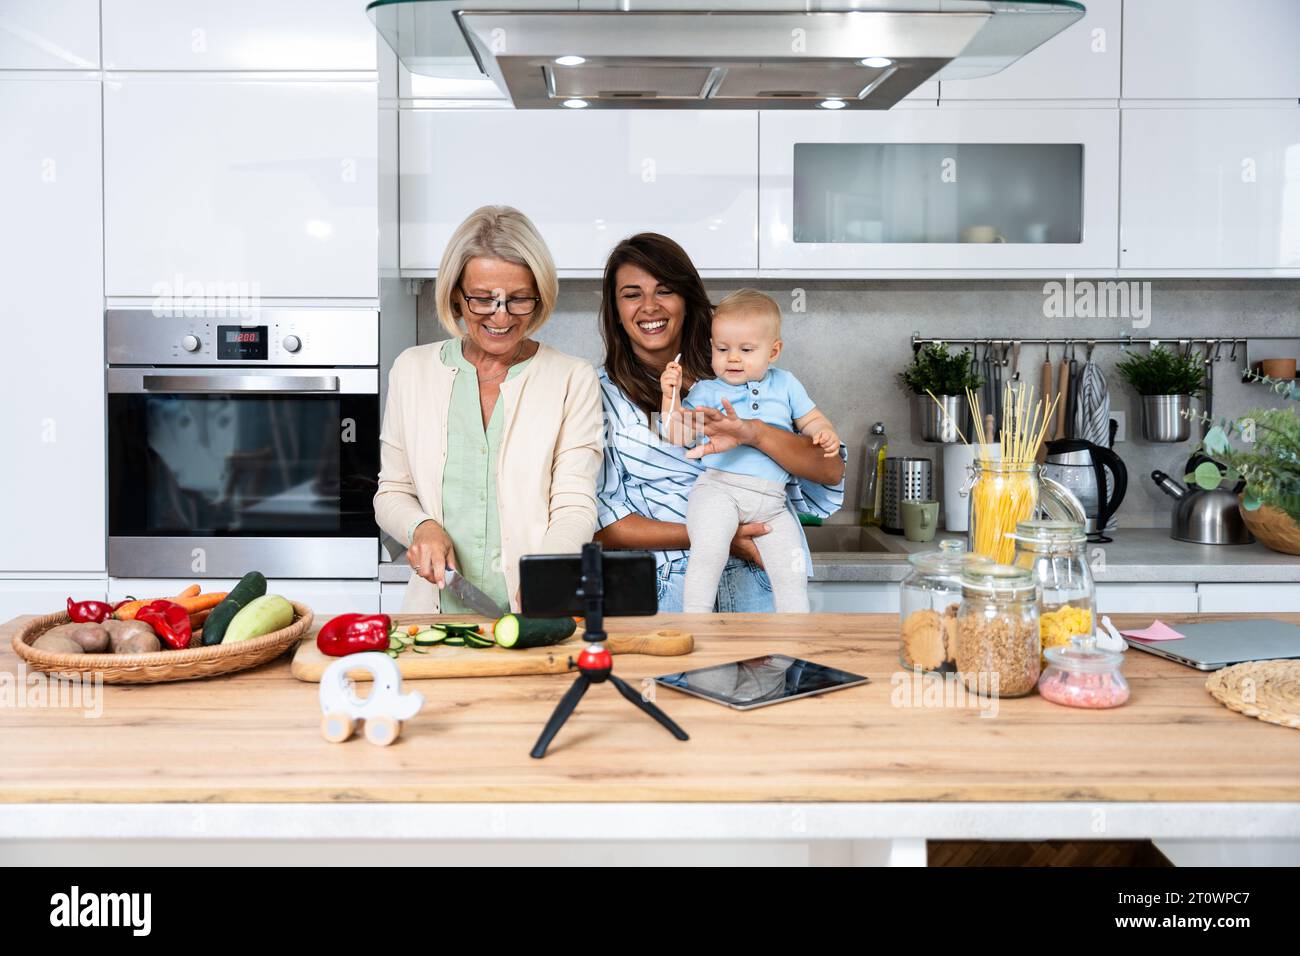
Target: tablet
[[760, 681]]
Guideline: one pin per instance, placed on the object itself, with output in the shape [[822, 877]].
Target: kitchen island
[[873, 770]]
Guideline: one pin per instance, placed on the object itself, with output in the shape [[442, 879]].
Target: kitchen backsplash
[[848, 340]]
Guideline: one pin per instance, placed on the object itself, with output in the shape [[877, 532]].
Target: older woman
[[491, 442], [653, 307]]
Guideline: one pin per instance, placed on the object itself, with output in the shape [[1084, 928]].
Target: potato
[[57, 644], [139, 642], [140, 633], [92, 638]]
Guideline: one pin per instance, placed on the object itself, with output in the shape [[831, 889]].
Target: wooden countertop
[[254, 737]]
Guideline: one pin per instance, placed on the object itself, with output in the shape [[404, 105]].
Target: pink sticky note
[[1158, 631]]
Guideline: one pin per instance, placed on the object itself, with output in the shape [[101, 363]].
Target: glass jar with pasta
[[1002, 494], [1054, 552]]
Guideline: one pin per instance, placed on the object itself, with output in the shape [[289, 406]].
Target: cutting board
[[309, 663]]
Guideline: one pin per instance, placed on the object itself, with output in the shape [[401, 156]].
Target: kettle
[[1204, 517], [1082, 467]]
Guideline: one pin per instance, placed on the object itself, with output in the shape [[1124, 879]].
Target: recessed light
[[570, 60], [575, 104], [877, 62], [832, 104]]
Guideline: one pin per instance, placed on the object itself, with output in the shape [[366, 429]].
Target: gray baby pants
[[719, 503]]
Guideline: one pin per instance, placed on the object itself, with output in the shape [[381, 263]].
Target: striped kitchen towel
[[1092, 412]]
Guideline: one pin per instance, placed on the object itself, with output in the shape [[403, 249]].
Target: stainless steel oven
[[241, 444]]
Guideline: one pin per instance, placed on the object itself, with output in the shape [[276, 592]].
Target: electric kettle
[[1097, 477]]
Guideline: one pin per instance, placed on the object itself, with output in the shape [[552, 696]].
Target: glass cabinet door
[[1015, 189]]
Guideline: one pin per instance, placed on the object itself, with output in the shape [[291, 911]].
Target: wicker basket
[[191, 663], [1273, 527]]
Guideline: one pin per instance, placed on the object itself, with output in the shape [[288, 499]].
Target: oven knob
[[190, 343], [292, 343]]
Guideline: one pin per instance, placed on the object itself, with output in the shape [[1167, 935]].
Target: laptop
[[1215, 644]]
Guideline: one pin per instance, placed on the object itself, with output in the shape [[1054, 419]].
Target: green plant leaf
[[1207, 475], [1216, 441]]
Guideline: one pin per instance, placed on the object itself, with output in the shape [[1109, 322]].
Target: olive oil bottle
[[874, 450]]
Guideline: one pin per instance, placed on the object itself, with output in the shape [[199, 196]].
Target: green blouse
[[469, 483]]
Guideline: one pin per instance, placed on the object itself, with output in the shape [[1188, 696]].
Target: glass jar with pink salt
[[1082, 675]]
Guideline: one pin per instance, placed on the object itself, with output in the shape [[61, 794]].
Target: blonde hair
[[753, 302], [496, 232]]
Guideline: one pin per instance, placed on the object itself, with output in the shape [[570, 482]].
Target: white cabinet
[[1129, 598], [264, 186], [916, 190], [855, 597], [586, 179], [237, 35], [1210, 189], [51, 317], [49, 35], [1261, 598], [1209, 49], [1081, 62], [391, 597], [23, 596], [325, 598]]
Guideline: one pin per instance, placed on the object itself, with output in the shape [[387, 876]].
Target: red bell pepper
[[95, 612], [170, 622], [353, 634]]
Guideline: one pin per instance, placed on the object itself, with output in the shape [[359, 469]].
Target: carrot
[[190, 591], [413, 629], [201, 602], [127, 612], [197, 619]]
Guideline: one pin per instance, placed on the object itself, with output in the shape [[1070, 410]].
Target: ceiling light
[[877, 62], [832, 104], [575, 104], [570, 60]]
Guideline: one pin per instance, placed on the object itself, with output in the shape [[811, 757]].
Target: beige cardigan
[[546, 475]]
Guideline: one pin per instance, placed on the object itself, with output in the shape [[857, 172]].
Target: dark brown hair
[[672, 267]]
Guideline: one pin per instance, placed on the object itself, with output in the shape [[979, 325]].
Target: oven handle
[[240, 383]]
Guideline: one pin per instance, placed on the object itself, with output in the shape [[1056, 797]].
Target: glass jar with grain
[[998, 647], [928, 602], [1053, 551]]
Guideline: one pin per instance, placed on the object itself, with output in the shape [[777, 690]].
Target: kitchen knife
[[471, 596]]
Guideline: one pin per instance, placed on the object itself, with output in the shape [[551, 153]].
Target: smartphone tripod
[[595, 663]]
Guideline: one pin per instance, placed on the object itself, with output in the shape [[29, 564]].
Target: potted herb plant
[[936, 371], [1267, 457], [1167, 383]]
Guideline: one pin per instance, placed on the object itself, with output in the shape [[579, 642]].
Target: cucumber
[[429, 637], [394, 644], [455, 642], [520, 632], [477, 640], [250, 587], [262, 615]]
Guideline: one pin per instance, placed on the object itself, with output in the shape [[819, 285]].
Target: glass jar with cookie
[[928, 602]]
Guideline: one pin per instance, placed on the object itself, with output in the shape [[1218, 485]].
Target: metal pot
[[1166, 418], [941, 424]]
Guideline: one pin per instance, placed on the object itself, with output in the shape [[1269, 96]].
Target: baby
[[743, 484]]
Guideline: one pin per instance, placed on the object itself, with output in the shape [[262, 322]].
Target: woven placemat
[[1269, 690]]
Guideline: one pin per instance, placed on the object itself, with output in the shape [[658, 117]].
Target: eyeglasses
[[490, 304]]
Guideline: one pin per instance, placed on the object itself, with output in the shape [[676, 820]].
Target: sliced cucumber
[[429, 637]]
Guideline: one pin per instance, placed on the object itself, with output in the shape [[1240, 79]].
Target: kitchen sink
[[850, 539]]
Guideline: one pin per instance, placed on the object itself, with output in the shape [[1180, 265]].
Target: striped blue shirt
[[644, 474]]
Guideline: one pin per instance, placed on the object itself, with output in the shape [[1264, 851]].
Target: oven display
[[241, 342]]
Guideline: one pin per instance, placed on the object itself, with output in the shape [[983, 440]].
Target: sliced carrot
[[190, 591], [412, 629]]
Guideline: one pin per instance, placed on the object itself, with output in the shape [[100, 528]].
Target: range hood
[[730, 54]]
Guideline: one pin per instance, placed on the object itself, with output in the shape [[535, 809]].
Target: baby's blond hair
[[753, 302]]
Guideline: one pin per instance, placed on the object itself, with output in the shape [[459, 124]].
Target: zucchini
[[250, 587], [477, 640], [394, 644], [515, 631], [455, 642], [260, 616], [428, 638]]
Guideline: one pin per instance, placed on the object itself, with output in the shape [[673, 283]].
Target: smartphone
[[549, 584]]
